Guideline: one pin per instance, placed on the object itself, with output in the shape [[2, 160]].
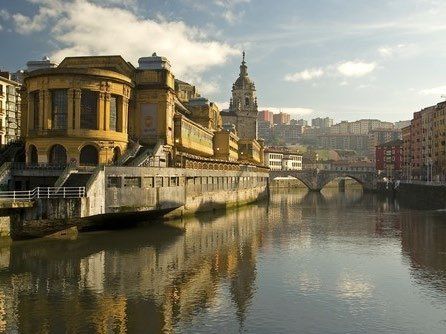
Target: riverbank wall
[[416, 195], [423, 196], [119, 196]]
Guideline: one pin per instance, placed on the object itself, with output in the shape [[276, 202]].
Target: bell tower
[[244, 104]]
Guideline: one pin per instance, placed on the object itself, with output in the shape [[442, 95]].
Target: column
[[101, 104], [70, 110], [29, 115], [124, 114], [77, 109], [107, 112], [44, 103]]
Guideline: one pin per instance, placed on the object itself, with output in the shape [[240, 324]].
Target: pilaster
[[107, 111], [124, 114], [101, 104], [46, 110], [77, 109], [70, 111]]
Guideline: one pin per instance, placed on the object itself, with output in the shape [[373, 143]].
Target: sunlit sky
[[344, 59]]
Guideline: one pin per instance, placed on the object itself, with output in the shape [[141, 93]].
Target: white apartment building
[[273, 160], [292, 162], [280, 160]]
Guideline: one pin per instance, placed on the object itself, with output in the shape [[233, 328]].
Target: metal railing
[[42, 192], [45, 166]]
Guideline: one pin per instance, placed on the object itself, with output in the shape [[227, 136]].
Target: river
[[335, 262]]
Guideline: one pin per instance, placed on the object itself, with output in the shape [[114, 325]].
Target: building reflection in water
[[160, 277]]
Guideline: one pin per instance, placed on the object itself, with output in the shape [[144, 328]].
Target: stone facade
[[88, 110], [9, 109], [67, 110]]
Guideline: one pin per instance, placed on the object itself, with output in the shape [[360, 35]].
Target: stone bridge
[[316, 180]]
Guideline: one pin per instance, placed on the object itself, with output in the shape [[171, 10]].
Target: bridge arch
[[295, 177], [331, 177]]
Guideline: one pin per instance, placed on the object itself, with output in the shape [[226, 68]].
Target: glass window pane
[[89, 109], [59, 101], [36, 100]]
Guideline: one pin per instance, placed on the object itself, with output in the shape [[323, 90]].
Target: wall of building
[[40, 130]]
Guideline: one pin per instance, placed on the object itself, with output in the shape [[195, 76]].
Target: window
[[57, 155], [132, 182], [59, 106], [158, 182], [149, 182], [36, 101], [89, 109], [89, 156], [113, 113], [33, 158], [114, 182]]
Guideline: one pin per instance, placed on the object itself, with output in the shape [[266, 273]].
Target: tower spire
[[244, 53]]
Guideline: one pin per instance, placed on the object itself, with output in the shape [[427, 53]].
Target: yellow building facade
[[77, 112], [91, 110]]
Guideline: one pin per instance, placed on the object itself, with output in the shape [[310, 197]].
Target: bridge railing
[[42, 192]]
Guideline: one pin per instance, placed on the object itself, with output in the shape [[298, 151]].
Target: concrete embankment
[[422, 196], [416, 195], [119, 196]]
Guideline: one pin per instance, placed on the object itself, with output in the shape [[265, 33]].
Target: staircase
[[5, 173], [129, 154]]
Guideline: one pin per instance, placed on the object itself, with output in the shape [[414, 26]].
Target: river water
[[335, 262]]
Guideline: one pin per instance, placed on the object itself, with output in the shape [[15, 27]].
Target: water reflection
[[320, 258]]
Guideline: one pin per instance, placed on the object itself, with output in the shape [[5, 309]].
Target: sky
[[344, 59]]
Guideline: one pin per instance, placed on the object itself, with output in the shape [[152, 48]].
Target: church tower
[[243, 106]]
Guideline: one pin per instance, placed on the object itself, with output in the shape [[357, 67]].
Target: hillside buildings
[[322, 123], [361, 136]]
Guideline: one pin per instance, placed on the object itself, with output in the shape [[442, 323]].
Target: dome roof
[[243, 81]]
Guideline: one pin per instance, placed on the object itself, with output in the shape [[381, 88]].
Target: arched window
[[89, 155], [58, 155], [116, 154], [32, 155]]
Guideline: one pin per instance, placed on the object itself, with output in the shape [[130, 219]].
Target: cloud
[[385, 51], [390, 51], [346, 69], [47, 10], [305, 75], [4, 14], [439, 91], [86, 27], [230, 13], [222, 105], [355, 68]]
